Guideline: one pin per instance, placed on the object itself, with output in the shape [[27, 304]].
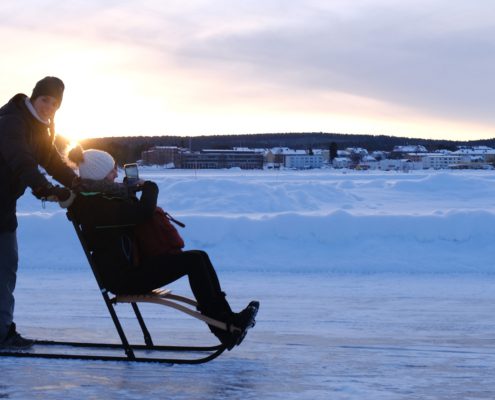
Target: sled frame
[[159, 296]]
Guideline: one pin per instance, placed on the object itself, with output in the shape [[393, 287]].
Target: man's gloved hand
[[61, 193], [68, 202], [52, 193]]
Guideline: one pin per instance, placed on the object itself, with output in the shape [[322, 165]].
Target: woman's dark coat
[[108, 228]]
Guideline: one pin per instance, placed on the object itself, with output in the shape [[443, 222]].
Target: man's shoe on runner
[[14, 341]]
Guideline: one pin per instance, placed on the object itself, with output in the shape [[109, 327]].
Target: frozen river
[[319, 336]]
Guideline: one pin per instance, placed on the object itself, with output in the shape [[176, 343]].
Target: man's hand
[[52, 193], [61, 193]]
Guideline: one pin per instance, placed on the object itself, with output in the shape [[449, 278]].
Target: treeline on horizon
[[129, 148]]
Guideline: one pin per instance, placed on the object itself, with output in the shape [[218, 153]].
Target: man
[[26, 142]]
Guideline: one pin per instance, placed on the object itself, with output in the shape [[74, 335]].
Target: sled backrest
[[87, 251]]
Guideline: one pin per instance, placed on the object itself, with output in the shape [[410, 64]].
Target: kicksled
[[125, 351]]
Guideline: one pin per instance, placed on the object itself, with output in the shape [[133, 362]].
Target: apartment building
[[212, 159]]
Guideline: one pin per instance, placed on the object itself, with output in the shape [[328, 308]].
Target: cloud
[[416, 57], [434, 58]]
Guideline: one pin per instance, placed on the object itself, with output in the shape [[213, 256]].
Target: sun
[[71, 137], [119, 111], [73, 121]]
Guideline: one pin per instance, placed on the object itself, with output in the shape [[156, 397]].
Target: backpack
[[157, 236]]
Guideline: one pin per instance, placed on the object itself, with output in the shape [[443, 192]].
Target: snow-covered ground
[[372, 284]]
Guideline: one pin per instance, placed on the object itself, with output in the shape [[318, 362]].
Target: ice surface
[[372, 285], [318, 336]]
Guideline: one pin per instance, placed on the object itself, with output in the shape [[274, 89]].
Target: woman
[[108, 226]]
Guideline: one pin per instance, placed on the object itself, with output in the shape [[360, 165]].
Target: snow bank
[[313, 221]]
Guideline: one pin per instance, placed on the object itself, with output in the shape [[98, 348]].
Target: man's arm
[[18, 155], [57, 168]]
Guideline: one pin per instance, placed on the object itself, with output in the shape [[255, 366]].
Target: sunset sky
[[177, 67]]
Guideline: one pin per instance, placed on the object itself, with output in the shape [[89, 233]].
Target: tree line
[[129, 148]]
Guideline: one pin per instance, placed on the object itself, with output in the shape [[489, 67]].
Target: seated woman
[[108, 224]]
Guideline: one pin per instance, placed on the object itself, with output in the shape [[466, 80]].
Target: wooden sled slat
[[165, 297]]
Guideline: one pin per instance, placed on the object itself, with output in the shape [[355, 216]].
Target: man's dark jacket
[[25, 144]]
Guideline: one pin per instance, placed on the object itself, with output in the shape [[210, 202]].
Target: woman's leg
[[162, 270], [213, 276], [203, 280], [207, 263]]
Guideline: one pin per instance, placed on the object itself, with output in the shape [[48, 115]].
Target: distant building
[[341, 162], [357, 150], [410, 149], [303, 161], [217, 159], [343, 153], [368, 162], [161, 155], [441, 161], [397, 165], [275, 157], [418, 157], [487, 153], [248, 149], [379, 155], [402, 158]]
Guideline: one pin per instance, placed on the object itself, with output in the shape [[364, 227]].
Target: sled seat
[[165, 297]]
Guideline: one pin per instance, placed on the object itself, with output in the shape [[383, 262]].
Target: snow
[[374, 285], [318, 221]]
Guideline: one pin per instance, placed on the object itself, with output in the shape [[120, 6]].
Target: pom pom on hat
[[97, 164], [49, 86]]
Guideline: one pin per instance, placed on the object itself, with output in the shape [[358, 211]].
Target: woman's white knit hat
[[97, 164]]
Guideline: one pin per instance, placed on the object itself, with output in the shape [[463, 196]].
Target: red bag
[[158, 236]]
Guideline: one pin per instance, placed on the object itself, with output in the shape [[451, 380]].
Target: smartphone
[[131, 173]]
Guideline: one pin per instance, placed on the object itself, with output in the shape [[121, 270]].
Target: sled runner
[[153, 353]]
